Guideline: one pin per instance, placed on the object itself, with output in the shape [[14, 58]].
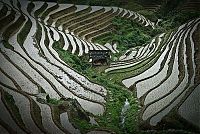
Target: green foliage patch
[[175, 18], [116, 97], [53, 101], [128, 33]]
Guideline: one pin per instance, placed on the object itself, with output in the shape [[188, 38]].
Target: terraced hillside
[[41, 93], [32, 73], [165, 75], [32, 69], [191, 5]]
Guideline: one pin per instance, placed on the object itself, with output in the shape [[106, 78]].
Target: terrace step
[[47, 119], [83, 17], [39, 11], [89, 22], [81, 11], [161, 102], [32, 66], [7, 19], [65, 123], [3, 11], [189, 110], [133, 62], [34, 54], [57, 14], [6, 116], [23, 105], [25, 84]]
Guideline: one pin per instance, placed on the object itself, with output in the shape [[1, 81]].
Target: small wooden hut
[[99, 57]]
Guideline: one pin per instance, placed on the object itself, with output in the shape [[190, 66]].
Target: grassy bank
[[128, 33], [115, 99]]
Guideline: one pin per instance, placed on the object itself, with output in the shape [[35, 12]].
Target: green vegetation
[[38, 34], [30, 7], [53, 101], [128, 34], [131, 118], [171, 5], [176, 18], [148, 14], [116, 94], [74, 61], [83, 125]]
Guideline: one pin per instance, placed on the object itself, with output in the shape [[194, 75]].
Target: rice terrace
[[100, 66]]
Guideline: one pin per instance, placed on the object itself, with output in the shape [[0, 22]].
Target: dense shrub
[[148, 14], [128, 34], [176, 18], [74, 61], [116, 94], [171, 5]]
